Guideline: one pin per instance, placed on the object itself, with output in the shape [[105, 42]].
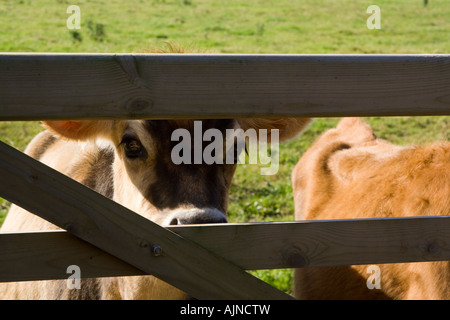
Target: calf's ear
[[288, 127], [80, 129], [354, 130]]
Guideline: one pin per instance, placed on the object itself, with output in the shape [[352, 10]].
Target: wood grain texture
[[326, 243], [250, 246], [123, 233], [46, 255], [79, 86]]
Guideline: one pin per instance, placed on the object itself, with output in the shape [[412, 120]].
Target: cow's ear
[[355, 130], [288, 127], [80, 130]]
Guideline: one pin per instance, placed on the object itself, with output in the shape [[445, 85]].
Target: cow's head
[[146, 179]]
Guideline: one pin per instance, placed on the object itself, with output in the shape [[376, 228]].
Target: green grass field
[[252, 26]]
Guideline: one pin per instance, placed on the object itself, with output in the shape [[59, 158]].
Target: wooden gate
[[207, 261]]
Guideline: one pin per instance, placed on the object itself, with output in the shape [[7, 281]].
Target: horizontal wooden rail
[[123, 233], [249, 246], [79, 86]]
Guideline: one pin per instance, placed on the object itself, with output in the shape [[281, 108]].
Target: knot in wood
[[294, 257]]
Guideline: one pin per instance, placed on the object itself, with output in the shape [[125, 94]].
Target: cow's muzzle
[[195, 216]]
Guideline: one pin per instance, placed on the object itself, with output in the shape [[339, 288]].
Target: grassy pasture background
[[251, 26]]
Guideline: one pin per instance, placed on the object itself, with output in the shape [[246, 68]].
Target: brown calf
[[130, 161], [350, 173]]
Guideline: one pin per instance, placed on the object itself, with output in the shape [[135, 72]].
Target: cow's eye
[[133, 147]]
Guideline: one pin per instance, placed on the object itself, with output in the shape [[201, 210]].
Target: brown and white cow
[[130, 162], [350, 173]]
